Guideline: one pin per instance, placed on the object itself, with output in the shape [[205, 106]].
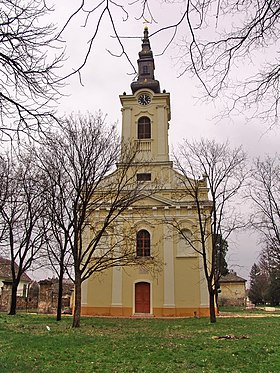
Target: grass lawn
[[138, 345]]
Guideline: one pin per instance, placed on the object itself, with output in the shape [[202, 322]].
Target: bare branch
[[28, 72], [211, 170]]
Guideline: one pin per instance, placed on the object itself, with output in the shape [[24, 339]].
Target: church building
[[179, 286]]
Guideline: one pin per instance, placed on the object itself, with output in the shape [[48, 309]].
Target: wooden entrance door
[[142, 297]]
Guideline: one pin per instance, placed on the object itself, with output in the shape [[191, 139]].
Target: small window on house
[[144, 177], [143, 243], [144, 128]]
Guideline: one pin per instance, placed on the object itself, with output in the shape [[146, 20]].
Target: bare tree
[[217, 42], [232, 47], [78, 160], [29, 63], [57, 248], [223, 173], [265, 196], [264, 193], [21, 209], [224, 38]]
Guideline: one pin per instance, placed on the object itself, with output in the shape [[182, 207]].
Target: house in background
[[180, 288], [6, 286], [6, 277], [233, 290], [48, 296]]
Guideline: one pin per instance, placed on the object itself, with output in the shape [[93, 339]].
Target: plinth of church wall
[[181, 312], [157, 312]]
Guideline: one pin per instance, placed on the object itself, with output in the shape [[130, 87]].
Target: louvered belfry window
[[144, 128]]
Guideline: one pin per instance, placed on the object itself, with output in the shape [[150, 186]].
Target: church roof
[[5, 271]]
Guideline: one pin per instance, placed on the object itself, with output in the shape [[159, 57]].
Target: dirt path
[[233, 314]]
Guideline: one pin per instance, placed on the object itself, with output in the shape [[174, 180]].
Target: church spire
[[146, 67]]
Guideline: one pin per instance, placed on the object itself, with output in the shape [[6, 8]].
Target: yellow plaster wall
[[169, 201], [232, 290], [99, 289], [187, 292]]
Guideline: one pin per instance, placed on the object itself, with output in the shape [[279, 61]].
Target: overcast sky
[[105, 77]]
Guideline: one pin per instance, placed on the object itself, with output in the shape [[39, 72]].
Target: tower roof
[[146, 67]]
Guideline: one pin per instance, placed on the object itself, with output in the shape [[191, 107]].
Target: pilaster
[[168, 271]]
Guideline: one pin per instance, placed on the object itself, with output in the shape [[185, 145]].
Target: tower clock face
[[144, 99]]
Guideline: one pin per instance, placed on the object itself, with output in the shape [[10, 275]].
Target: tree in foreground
[[78, 159], [30, 58], [57, 249], [21, 211], [223, 173]]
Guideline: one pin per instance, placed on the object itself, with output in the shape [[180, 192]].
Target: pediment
[[153, 200]]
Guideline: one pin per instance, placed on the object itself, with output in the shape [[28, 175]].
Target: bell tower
[[146, 112]]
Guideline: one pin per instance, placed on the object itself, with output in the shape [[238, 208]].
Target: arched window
[[143, 243], [144, 128]]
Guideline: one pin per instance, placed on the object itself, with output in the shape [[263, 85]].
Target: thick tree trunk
[[78, 301], [13, 305], [59, 297], [212, 305]]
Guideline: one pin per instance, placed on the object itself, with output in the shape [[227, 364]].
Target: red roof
[[5, 271], [232, 277]]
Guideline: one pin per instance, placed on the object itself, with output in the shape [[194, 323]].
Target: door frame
[[133, 292]]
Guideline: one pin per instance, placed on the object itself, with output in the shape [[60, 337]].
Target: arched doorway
[[142, 297]]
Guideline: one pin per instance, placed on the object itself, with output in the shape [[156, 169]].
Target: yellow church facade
[[177, 285]]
